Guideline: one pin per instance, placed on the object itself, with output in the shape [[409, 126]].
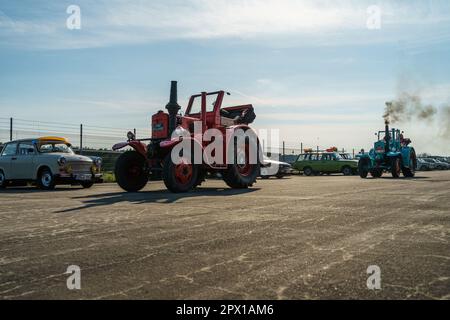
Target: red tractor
[[155, 156]]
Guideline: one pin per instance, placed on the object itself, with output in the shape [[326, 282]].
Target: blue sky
[[312, 69]]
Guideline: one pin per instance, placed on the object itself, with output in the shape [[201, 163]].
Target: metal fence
[[82, 136], [88, 139]]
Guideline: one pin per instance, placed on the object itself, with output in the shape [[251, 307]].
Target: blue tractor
[[391, 153]]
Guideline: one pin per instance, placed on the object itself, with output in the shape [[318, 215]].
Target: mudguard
[[406, 156], [170, 144], [230, 131], [135, 144]]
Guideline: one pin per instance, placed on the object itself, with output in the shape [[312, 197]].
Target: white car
[[46, 161], [273, 168]]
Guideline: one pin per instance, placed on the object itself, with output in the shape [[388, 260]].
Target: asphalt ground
[[294, 238]]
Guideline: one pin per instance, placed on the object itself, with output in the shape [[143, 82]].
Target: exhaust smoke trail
[[409, 107]]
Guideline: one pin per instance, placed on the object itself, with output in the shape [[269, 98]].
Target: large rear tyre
[[411, 171], [201, 177], [180, 177], [131, 171], [240, 178], [242, 174], [396, 167], [363, 167]]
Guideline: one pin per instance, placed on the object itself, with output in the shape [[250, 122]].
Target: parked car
[[346, 156], [431, 163], [436, 164], [442, 165], [423, 165], [327, 162], [46, 161], [273, 168]]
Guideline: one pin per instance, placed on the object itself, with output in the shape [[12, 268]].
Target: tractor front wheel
[[180, 177], [396, 167], [131, 171]]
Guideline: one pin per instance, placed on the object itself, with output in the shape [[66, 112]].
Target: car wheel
[[87, 184], [308, 171], [46, 181], [347, 171], [2, 180]]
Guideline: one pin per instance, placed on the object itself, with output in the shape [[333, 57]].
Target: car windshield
[[338, 156], [50, 147]]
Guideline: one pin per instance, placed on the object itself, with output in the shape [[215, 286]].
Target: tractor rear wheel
[[201, 177], [396, 167], [363, 167], [180, 177], [131, 171], [242, 174], [411, 171]]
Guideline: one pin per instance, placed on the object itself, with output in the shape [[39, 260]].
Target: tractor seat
[[228, 119]]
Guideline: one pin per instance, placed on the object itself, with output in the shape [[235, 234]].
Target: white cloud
[[106, 23]]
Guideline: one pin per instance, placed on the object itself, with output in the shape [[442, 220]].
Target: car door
[[336, 163], [323, 163], [8, 153], [24, 162], [307, 161]]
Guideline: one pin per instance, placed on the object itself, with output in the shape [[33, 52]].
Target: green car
[[325, 162]]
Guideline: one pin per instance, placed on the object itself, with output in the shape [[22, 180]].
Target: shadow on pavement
[[157, 196], [14, 190]]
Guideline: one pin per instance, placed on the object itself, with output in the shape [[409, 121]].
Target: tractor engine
[[164, 124], [160, 125]]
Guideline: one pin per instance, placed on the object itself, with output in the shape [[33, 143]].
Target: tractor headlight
[[393, 149], [180, 132]]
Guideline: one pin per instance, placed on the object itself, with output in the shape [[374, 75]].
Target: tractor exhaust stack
[[173, 107], [387, 136]]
